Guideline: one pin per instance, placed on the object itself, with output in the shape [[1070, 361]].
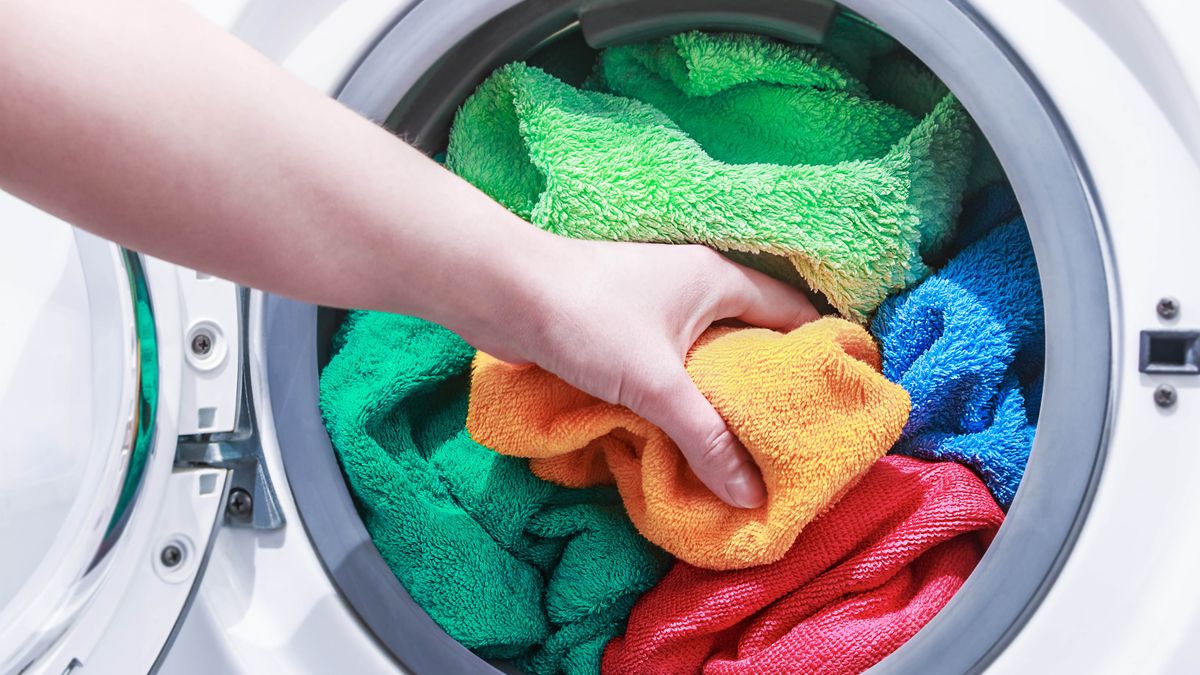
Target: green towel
[[902, 80], [740, 113], [511, 566], [857, 43], [746, 145]]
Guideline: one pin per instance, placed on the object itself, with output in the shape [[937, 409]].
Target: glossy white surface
[[1128, 599], [68, 376], [209, 392], [134, 602], [45, 362]]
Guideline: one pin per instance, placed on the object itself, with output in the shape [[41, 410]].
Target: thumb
[[759, 300], [714, 453]]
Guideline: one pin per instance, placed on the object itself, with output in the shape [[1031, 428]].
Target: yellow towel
[[810, 406]]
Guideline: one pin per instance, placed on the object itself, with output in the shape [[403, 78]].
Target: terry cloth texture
[[857, 44], [738, 142], [509, 565], [810, 406], [902, 80], [967, 345], [857, 584]]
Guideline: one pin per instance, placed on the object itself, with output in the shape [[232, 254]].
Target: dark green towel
[[902, 80], [738, 142], [510, 565]]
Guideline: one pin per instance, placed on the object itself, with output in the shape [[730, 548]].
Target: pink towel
[[858, 583]]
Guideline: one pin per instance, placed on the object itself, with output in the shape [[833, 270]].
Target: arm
[[139, 121]]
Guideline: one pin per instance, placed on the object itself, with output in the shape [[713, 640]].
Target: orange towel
[[810, 406]]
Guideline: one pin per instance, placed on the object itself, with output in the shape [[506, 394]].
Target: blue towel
[[967, 344]]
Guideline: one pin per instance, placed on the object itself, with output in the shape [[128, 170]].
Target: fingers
[[759, 300], [715, 455]]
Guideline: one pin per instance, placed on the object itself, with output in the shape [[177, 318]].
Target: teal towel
[[738, 142], [509, 565]]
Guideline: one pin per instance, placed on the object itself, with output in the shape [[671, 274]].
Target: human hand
[[375, 224], [616, 320]]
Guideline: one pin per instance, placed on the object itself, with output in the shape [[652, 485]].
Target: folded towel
[[508, 564], [859, 190], [810, 407], [857, 584], [967, 345]]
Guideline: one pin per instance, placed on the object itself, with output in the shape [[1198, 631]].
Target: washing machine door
[[107, 359]]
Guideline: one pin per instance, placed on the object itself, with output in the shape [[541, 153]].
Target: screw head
[[202, 344], [240, 502], [1168, 308], [1165, 396], [171, 555]]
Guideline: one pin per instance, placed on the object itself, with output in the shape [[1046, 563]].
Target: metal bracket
[[252, 500]]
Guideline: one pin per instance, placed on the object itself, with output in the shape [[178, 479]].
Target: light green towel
[[747, 145]]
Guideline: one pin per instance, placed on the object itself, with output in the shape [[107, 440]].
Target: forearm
[[270, 183], [137, 120]]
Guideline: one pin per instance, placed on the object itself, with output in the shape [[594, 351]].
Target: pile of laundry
[[544, 527]]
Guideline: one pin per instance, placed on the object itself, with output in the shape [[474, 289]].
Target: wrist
[[504, 301]]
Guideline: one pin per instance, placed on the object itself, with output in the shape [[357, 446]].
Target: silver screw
[[171, 555], [1168, 308], [1165, 396], [202, 344], [240, 502]]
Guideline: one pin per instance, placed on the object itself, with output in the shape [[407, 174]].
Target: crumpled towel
[[857, 584], [508, 564], [738, 95], [968, 346], [810, 406], [801, 164]]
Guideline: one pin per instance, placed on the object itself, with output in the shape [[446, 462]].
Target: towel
[[810, 406], [857, 584], [511, 566], [857, 44], [738, 95], [901, 79], [967, 345], [791, 159]]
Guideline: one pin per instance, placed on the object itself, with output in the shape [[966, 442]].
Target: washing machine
[[170, 502]]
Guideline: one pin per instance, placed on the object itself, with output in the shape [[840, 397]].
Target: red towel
[[859, 581]]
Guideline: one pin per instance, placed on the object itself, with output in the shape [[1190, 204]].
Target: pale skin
[[141, 122]]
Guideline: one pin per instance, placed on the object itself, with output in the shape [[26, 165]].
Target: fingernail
[[746, 491]]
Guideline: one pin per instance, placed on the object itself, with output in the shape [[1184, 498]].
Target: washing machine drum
[[431, 59]]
